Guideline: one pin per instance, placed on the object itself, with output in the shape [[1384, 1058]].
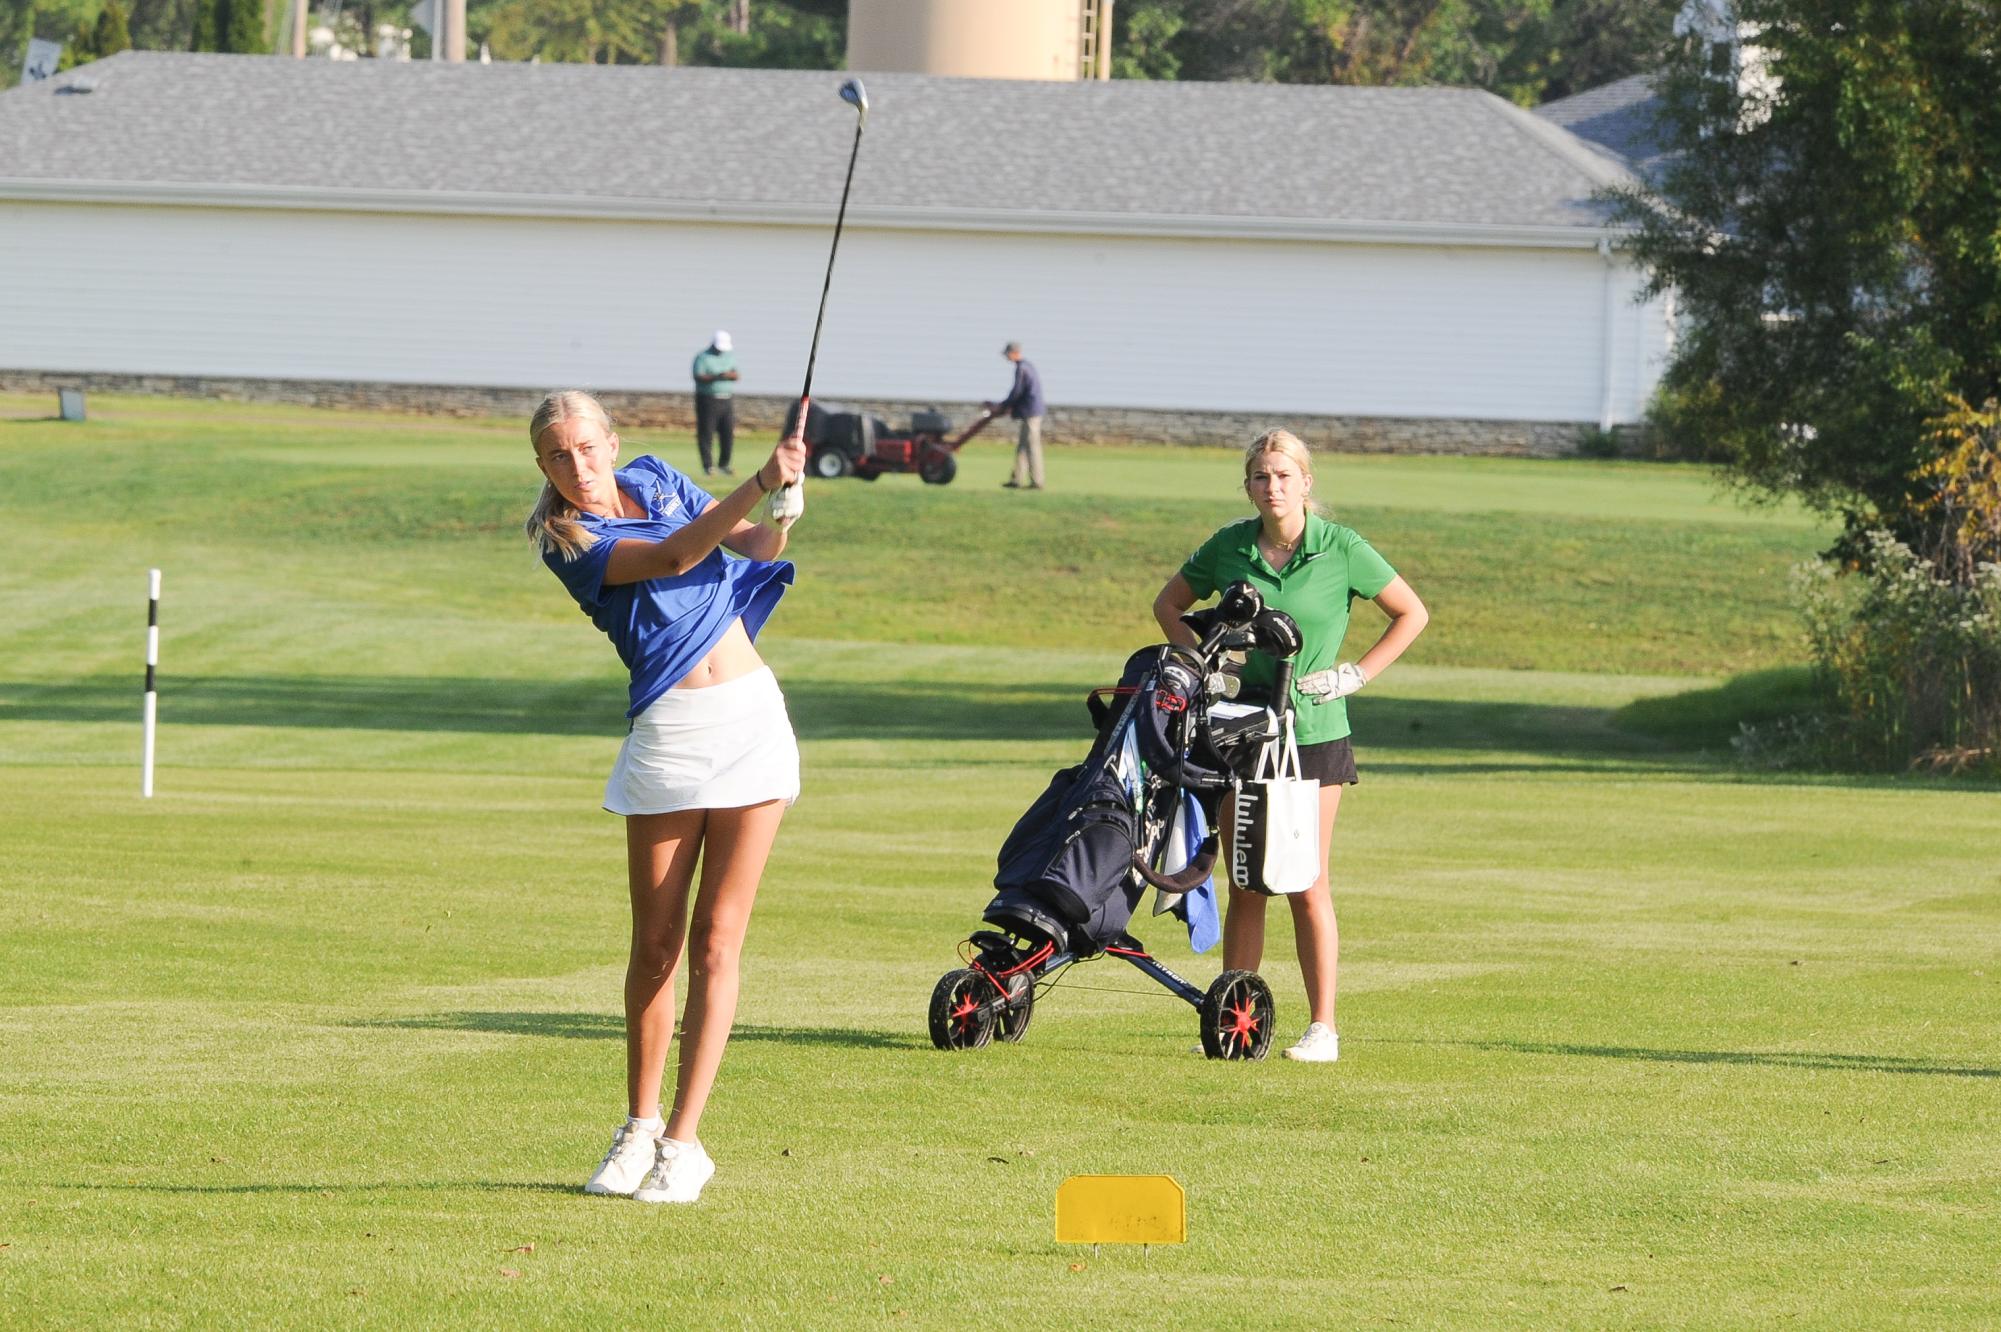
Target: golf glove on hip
[[1339, 682], [787, 503]]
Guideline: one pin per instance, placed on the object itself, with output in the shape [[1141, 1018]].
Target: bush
[[1806, 740], [1598, 442], [1913, 659], [1675, 429], [1961, 509]]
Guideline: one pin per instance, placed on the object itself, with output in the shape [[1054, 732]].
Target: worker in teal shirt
[[715, 402], [1311, 569]]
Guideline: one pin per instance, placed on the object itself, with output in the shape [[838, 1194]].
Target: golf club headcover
[[787, 503], [1276, 633], [1239, 604], [1339, 682]]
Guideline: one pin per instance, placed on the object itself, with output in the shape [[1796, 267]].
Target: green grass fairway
[[327, 1033]]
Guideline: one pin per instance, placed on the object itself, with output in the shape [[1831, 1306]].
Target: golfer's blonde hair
[[552, 524], [1293, 447]]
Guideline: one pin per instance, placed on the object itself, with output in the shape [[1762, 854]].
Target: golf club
[[788, 503]]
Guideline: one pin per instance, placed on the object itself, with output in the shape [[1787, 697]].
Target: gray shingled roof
[[727, 141], [1618, 117]]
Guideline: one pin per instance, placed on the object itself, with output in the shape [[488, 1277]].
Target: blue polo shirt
[[663, 627]]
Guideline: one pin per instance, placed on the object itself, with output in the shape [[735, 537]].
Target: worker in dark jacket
[[1024, 403]]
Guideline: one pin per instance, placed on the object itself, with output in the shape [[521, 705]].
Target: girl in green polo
[[1311, 569]]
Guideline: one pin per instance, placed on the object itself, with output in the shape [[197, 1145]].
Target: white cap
[[721, 340]]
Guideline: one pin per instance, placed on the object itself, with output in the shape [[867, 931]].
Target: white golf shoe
[[1320, 1045], [678, 1174], [633, 1151]]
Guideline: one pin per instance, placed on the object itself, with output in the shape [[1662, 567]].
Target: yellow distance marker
[[1121, 1209]]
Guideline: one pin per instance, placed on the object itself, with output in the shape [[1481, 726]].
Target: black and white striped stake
[[152, 695]]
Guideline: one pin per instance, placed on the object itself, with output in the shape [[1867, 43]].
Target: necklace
[[1272, 543]]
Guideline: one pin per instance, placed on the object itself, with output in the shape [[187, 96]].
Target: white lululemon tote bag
[[1275, 847]]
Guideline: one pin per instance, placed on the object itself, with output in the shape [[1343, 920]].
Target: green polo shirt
[[712, 362], [1332, 567]]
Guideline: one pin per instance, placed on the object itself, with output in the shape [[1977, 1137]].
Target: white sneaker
[[632, 1153], [678, 1174], [1320, 1045]]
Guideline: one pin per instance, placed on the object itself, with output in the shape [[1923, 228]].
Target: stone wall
[[675, 411]]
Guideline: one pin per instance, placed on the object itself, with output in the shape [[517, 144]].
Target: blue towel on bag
[[1197, 908]]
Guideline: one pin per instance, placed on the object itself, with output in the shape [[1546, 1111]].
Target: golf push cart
[[844, 443], [1074, 868]]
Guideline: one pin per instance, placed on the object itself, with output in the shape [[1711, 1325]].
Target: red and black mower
[[845, 443]]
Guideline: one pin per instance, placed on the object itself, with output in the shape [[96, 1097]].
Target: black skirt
[[1331, 763]]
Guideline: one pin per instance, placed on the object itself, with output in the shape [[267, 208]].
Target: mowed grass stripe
[[1618, 567]]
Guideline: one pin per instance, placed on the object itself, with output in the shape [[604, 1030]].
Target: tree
[[1828, 234], [248, 26], [804, 34], [779, 34], [1388, 41], [1527, 50], [1143, 41], [1585, 44], [110, 35], [229, 25], [1532, 51], [1207, 40], [163, 25], [16, 27], [603, 32]]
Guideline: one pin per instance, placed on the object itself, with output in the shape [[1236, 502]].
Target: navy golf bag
[[1072, 870], [1075, 865]]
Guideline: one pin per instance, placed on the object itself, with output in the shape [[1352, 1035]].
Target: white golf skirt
[[722, 747]]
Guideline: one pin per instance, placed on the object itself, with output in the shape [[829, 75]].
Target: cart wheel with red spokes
[[961, 1016], [1020, 1007], [1237, 1017]]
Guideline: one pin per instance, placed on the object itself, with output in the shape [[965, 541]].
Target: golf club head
[[1240, 604], [856, 96]]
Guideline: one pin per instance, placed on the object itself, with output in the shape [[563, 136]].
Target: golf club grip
[[796, 435], [798, 430]]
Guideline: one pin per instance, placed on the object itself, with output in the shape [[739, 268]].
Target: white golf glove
[[1340, 682], [787, 503]]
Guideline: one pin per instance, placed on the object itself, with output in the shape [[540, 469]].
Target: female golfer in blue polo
[[709, 765], [1311, 569]]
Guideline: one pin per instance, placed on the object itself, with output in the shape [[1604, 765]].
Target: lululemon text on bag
[[1275, 832]]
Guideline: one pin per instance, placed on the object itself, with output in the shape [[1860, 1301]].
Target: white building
[[1370, 264]]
